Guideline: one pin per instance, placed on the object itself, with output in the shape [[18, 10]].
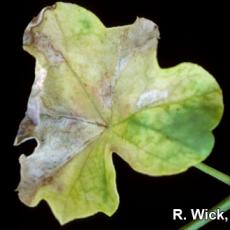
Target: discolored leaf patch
[[100, 90]]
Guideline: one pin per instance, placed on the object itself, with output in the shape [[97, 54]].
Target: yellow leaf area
[[100, 90]]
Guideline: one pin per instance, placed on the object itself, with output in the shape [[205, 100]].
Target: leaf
[[100, 90]]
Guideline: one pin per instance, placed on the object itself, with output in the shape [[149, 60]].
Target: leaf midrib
[[148, 107], [77, 77]]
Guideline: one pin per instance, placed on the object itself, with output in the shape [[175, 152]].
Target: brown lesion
[[48, 180], [28, 37], [103, 90], [25, 131], [36, 21], [36, 39], [30, 185], [45, 46], [53, 7]]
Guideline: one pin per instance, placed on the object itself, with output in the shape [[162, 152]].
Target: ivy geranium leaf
[[100, 90]]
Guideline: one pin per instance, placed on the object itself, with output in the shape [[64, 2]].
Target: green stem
[[214, 173], [224, 205]]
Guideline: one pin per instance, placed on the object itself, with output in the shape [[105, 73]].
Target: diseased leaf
[[100, 90]]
